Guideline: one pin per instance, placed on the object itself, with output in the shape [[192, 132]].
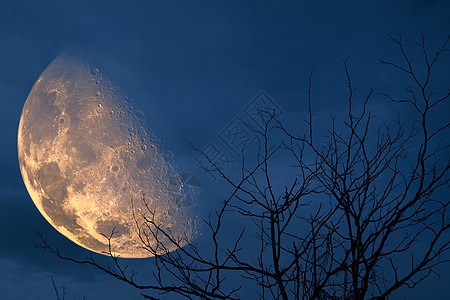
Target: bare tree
[[57, 290], [366, 214]]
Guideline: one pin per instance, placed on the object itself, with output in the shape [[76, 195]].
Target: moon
[[87, 157]]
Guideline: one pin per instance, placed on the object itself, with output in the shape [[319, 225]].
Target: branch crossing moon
[[85, 153]]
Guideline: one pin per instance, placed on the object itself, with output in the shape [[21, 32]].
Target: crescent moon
[[85, 153]]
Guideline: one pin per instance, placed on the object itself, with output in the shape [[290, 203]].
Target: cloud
[[24, 267], [20, 281], [19, 222]]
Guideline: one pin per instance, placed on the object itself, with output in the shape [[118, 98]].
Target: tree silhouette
[[366, 214]]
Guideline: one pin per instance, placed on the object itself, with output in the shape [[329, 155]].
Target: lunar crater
[[85, 153]]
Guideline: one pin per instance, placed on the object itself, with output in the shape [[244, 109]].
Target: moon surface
[[85, 153]]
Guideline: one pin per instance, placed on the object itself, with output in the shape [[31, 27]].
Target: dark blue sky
[[191, 67]]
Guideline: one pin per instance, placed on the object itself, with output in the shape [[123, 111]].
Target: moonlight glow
[[84, 153]]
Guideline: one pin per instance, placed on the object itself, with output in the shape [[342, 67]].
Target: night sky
[[192, 67]]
